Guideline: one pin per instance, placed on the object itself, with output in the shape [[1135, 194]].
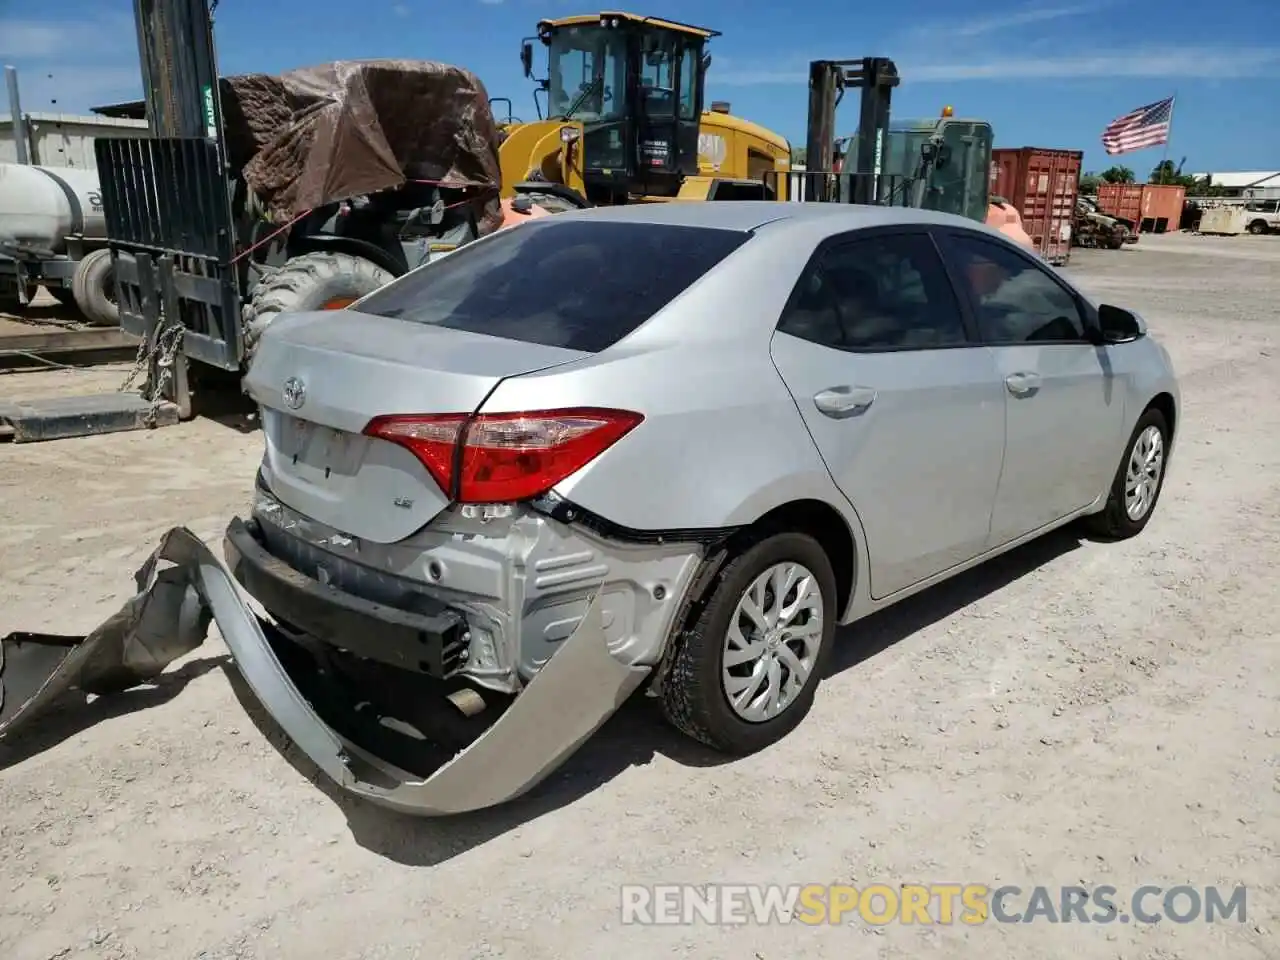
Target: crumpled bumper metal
[[577, 690]]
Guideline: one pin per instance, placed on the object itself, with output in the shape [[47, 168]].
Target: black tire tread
[[303, 283], [686, 693], [1112, 522]]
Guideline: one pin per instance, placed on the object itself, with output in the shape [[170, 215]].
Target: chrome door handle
[[1022, 384], [844, 401]]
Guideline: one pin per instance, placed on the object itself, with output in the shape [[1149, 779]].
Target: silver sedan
[[668, 446]]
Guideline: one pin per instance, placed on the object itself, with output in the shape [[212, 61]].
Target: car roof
[[755, 215]]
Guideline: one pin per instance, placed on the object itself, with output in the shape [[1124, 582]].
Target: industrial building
[[1249, 184]]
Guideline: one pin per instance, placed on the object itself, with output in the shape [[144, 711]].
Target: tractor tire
[[1258, 227], [312, 281], [93, 289], [549, 202]]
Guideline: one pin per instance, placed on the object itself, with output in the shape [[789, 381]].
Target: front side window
[[1016, 301], [588, 74], [575, 284], [690, 67], [881, 293]]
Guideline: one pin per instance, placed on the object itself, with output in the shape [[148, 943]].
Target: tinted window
[[575, 284], [1016, 301], [881, 293]]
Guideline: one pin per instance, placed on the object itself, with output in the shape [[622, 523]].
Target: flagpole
[[1164, 171]]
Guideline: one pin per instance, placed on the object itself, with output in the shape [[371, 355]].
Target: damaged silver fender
[[574, 693]]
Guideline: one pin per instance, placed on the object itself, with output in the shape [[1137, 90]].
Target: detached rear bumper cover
[[579, 688]]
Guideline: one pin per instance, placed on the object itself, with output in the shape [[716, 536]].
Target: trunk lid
[[319, 378]]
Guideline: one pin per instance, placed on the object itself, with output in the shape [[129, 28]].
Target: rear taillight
[[504, 457]]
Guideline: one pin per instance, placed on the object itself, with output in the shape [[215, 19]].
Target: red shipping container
[[1149, 207], [1122, 201], [1042, 185]]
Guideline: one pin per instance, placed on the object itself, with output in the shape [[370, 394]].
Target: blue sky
[[1046, 73]]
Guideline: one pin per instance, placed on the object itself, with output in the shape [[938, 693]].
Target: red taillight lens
[[505, 456]]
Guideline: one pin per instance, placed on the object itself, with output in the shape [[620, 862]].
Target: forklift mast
[[167, 199], [828, 79]]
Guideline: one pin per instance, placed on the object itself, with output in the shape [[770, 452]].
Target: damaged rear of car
[[427, 592]]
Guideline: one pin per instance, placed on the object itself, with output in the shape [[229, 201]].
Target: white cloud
[[402, 10], [1164, 62], [42, 40], [68, 66], [1012, 19]]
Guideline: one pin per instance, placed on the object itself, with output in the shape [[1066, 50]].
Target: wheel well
[[1164, 403], [822, 522]]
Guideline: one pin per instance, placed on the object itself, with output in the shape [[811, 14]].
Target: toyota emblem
[[295, 393]]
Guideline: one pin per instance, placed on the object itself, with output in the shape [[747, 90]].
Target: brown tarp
[[318, 134]]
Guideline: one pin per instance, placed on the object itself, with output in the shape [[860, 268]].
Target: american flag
[[1145, 127]]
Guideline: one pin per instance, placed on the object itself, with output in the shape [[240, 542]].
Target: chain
[[161, 357]]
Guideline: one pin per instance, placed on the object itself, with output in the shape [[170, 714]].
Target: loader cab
[[636, 86]]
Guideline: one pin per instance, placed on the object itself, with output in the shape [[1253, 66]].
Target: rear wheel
[[94, 290], [313, 281], [743, 671]]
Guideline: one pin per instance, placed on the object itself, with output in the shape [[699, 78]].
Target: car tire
[[694, 693], [1116, 521], [1258, 227]]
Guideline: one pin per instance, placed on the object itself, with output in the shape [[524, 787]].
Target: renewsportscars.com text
[[939, 903]]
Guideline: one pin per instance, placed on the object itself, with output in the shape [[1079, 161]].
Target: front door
[[902, 400], [1064, 413]]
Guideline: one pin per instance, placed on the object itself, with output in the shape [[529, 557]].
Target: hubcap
[[1142, 476], [772, 642]]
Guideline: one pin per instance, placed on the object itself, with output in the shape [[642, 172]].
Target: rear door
[[1064, 414], [902, 400]]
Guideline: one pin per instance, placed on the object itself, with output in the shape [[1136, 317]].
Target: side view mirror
[[1118, 325], [706, 62], [526, 58]]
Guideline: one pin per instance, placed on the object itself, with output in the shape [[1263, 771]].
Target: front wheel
[[1258, 227], [744, 670], [1138, 481]]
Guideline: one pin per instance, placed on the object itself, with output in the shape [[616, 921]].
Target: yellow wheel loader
[[625, 120]]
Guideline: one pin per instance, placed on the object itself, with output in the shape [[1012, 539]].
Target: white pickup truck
[[1262, 216]]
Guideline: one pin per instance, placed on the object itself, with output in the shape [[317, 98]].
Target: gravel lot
[[1072, 713]]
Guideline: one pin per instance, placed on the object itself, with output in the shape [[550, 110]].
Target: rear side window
[[560, 283]]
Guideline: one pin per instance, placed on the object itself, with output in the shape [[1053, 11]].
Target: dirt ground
[[1074, 713]]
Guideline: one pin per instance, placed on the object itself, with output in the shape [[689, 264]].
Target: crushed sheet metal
[[579, 688], [165, 620]]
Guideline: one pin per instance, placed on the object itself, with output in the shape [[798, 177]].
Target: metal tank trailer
[[53, 234]]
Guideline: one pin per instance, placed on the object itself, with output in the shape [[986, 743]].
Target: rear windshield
[[582, 285]]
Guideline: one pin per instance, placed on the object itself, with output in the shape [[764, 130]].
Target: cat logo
[[712, 149]]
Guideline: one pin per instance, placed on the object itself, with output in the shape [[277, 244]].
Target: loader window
[[557, 282], [588, 68], [689, 69]]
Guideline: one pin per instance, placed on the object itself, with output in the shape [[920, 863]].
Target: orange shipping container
[[1149, 207], [1042, 185]]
